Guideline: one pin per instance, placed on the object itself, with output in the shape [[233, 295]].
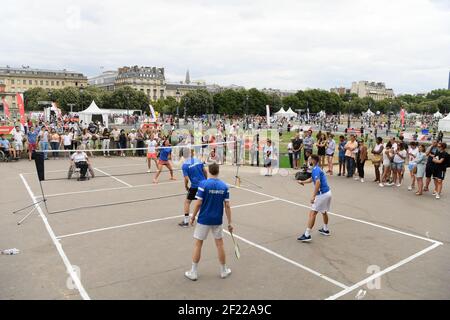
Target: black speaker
[[39, 162]]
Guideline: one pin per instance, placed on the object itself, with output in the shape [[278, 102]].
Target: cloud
[[285, 44]]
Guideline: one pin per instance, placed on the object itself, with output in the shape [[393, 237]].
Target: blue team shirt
[[5, 143], [32, 136], [341, 149], [318, 174], [164, 153], [213, 193], [193, 168]]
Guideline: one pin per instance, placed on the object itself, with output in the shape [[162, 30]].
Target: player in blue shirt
[[213, 196], [195, 172], [321, 199], [165, 155]]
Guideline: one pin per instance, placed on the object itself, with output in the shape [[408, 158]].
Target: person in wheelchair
[[6, 149], [80, 160]]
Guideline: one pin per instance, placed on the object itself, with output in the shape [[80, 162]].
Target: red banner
[[6, 129], [5, 108], [21, 106], [402, 116]]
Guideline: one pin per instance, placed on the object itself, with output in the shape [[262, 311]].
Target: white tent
[[437, 115], [280, 112], [369, 113], [444, 124], [322, 114], [291, 113], [93, 109]]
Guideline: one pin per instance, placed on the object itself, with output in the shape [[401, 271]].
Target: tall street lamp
[[349, 108]]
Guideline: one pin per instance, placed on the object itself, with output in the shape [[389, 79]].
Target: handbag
[[376, 159]]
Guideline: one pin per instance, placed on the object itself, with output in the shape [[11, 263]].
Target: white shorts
[[18, 145], [322, 203], [201, 231]]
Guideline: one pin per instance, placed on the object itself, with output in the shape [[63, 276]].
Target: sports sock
[[194, 267], [223, 267], [325, 227], [186, 218], [308, 232]]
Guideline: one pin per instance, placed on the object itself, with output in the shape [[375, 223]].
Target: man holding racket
[[194, 172], [212, 197], [321, 199]]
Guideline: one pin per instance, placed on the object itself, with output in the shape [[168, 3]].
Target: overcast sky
[[286, 44]]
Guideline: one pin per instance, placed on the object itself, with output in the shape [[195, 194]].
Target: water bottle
[[11, 252]]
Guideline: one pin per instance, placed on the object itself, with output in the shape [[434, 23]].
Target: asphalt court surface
[[136, 250]]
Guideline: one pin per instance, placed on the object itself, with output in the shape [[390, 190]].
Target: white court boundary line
[[345, 217], [76, 280], [375, 275], [318, 274], [52, 195], [107, 167], [150, 221], [382, 272], [115, 178]]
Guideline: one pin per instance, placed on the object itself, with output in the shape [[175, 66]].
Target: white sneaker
[[362, 180], [409, 188], [356, 178], [226, 273], [434, 193], [399, 185], [438, 196], [381, 185], [191, 275], [148, 171]]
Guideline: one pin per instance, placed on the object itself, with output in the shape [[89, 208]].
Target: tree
[[292, 102], [33, 96], [197, 102], [230, 102], [129, 98]]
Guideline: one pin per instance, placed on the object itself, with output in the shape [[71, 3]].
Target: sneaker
[[184, 224], [362, 180], [438, 196], [226, 273], [356, 178], [148, 171], [410, 188], [304, 238], [399, 185], [339, 174], [390, 184], [323, 232], [434, 193], [191, 275], [381, 185]]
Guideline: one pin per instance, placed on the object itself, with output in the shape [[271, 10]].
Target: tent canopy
[[291, 112], [93, 109], [437, 115], [369, 112], [280, 112], [444, 124]]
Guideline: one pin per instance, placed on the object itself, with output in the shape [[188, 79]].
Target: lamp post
[[349, 108]]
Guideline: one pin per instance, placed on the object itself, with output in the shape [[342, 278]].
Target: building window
[[30, 82], [53, 83], [35, 82], [24, 82], [46, 83], [57, 83], [42, 82], [12, 81], [62, 83]]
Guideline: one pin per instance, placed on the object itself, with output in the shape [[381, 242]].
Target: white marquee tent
[[438, 115], [93, 109], [369, 113], [280, 113], [291, 113], [444, 124]]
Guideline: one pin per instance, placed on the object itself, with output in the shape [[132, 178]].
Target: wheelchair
[[5, 156], [75, 171]]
